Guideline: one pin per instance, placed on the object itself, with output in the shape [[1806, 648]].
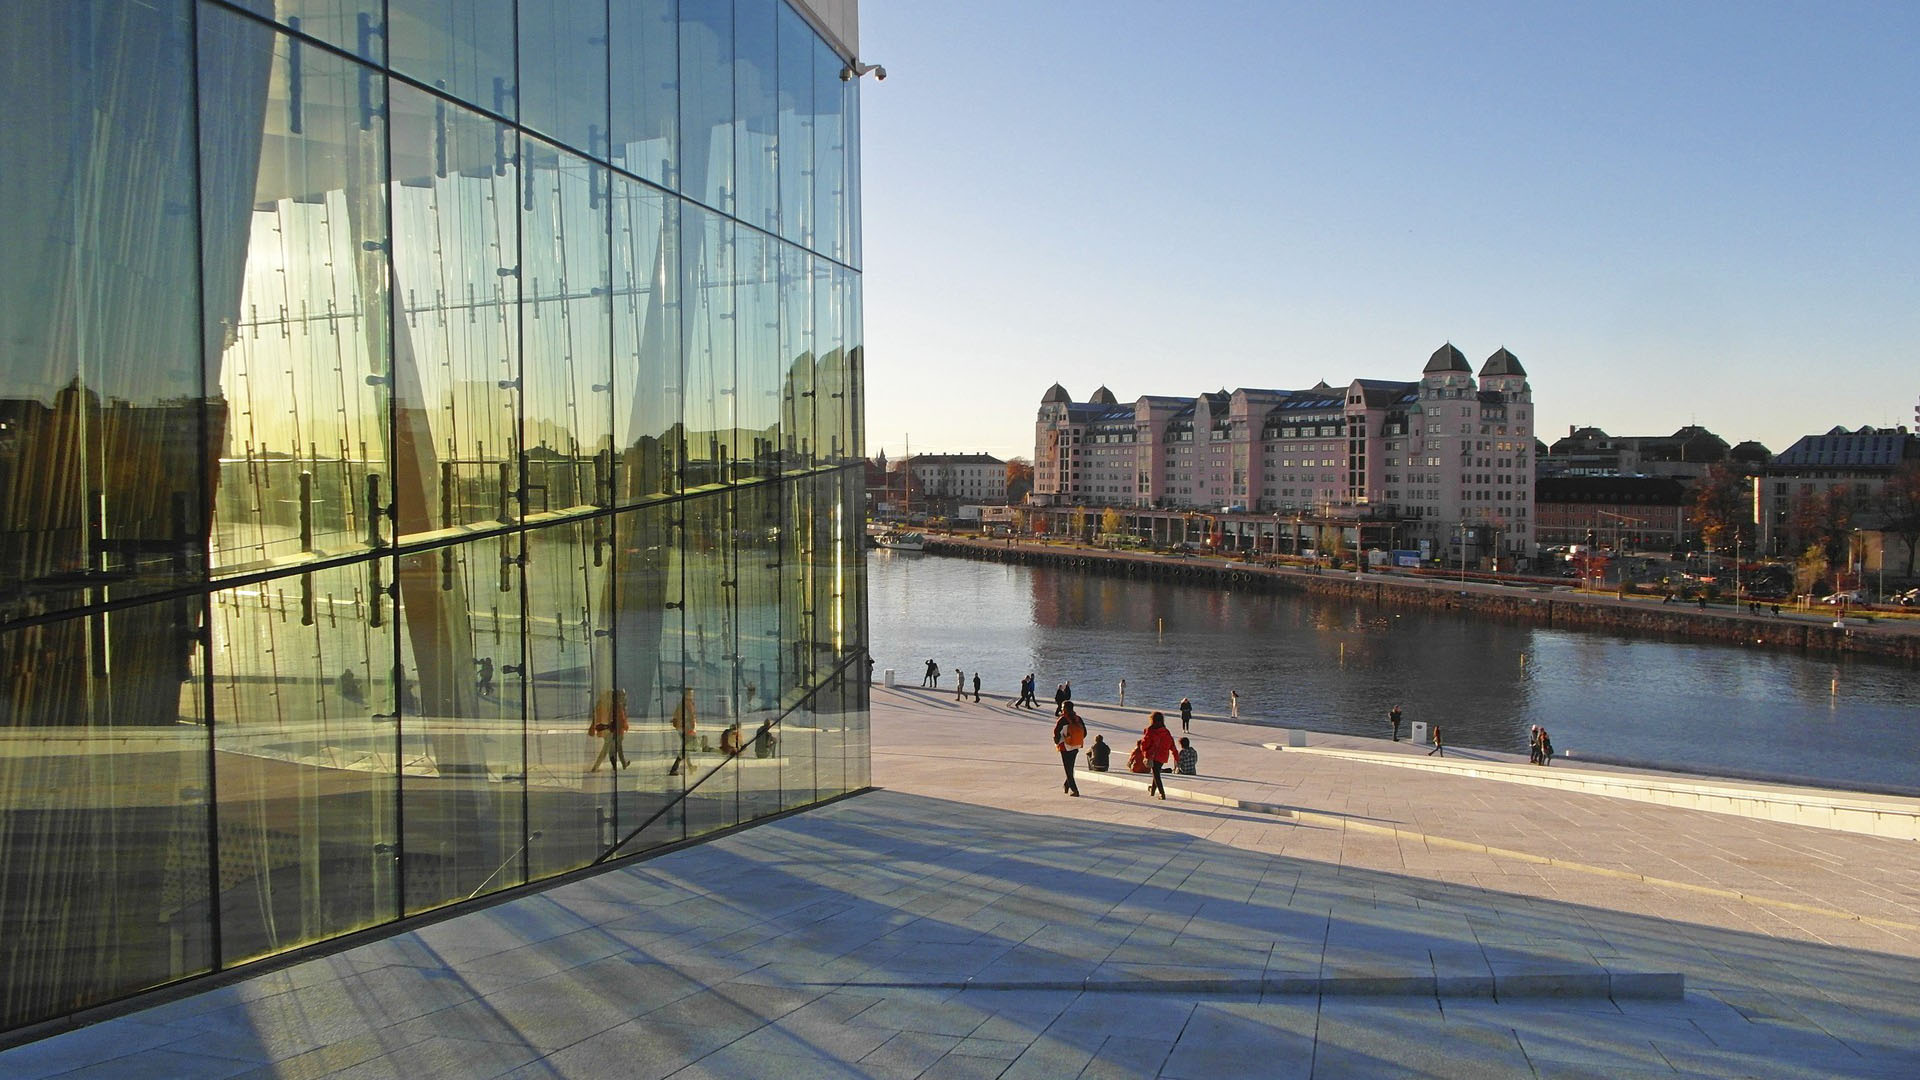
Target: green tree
[[1080, 523]]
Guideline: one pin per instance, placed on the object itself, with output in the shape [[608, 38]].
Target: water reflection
[[1340, 667]]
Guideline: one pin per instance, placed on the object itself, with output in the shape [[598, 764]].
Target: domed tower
[[1447, 374], [1502, 373], [1054, 442], [1102, 396]]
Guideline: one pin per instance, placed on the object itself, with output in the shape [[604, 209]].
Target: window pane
[[456, 274], [646, 341], [796, 332], [574, 768], [829, 378], [706, 287], [796, 127], [706, 103], [649, 611], [308, 779], [646, 87], [756, 101], [563, 69], [757, 336], [459, 47], [297, 285], [829, 152], [567, 331], [103, 810], [353, 25], [763, 671], [462, 763], [102, 419]]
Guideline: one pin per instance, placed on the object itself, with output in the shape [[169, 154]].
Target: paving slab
[[1313, 915]]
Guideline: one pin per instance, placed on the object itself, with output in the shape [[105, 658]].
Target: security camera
[[856, 69], [846, 74], [879, 73]]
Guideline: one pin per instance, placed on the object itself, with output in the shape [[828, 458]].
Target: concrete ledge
[[1639, 986], [1889, 816]]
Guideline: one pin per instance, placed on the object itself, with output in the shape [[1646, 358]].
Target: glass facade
[[430, 438]]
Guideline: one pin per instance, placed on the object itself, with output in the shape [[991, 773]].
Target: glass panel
[[713, 663], [829, 153], [563, 72], [763, 673], [850, 121], [566, 331], [103, 810], [649, 611], [796, 334], [645, 37], [706, 103], [581, 721], [830, 750], [757, 335], [706, 284], [101, 476], [829, 379], [297, 289], [796, 127], [853, 333], [462, 767], [460, 47], [455, 269], [307, 773], [646, 341], [798, 733], [353, 25], [756, 103]]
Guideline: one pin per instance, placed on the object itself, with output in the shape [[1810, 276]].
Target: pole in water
[[1160, 626], [1343, 654]]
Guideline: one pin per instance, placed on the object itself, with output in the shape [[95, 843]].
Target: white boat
[[902, 541]]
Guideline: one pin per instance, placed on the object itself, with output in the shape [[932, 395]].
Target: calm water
[[1341, 666]]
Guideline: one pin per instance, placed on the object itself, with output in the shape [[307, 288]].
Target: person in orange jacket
[[610, 725], [1158, 743]]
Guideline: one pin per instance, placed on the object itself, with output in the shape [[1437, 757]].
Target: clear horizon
[[1672, 215]]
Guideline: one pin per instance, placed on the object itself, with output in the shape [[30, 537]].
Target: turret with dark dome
[[1103, 396], [1056, 395], [1502, 363], [1447, 358]]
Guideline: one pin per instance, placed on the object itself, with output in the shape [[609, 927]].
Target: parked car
[[1852, 596]]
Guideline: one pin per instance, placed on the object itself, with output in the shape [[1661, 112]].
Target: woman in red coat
[[1158, 743]]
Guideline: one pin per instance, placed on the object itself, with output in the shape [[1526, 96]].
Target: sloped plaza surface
[[1284, 914]]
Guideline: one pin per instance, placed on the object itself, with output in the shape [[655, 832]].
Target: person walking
[[1157, 742], [1069, 733], [976, 688], [1026, 693], [610, 724], [1186, 713], [1123, 692], [1393, 717], [1433, 734], [683, 726], [1098, 754], [1233, 704], [1546, 747], [959, 685], [1533, 745], [1060, 696]]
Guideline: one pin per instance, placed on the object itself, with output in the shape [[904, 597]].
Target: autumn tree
[[1112, 521], [1900, 502], [1722, 508], [1824, 520], [1019, 480]]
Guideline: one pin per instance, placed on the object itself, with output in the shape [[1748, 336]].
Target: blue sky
[[1672, 213]]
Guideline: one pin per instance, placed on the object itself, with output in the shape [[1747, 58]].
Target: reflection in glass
[[563, 72], [457, 279], [706, 104], [648, 612], [307, 761], [462, 760], [100, 390], [756, 94], [567, 332], [796, 127], [707, 273], [463, 48], [647, 372], [646, 88], [103, 826], [353, 25], [295, 235], [758, 260]]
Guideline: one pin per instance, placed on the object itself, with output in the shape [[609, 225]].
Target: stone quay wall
[[1542, 606]]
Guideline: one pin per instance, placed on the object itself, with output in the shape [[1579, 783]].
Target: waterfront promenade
[[1326, 911]]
